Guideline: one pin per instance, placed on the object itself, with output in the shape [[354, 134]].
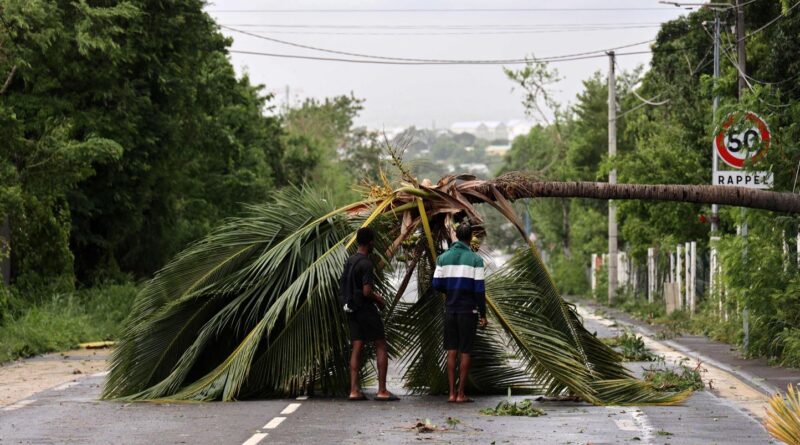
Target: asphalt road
[[72, 414]]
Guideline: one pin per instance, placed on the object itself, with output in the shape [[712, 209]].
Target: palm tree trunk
[[517, 185]]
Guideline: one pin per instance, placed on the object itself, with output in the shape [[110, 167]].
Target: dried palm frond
[[783, 416]]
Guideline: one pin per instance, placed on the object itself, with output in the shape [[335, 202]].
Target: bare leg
[[452, 356], [355, 366], [466, 360], [382, 359]]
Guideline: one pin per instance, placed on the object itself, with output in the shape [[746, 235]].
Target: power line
[[435, 10], [397, 62], [455, 33], [441, 26], [770, 23], [429, 61]]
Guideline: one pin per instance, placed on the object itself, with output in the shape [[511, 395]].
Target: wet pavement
[[72, 414], [756, 372]]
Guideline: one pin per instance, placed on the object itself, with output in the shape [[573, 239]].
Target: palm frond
[[783, 416]]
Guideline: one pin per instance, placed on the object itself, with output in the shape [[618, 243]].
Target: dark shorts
[[366, 324], [459, 331]]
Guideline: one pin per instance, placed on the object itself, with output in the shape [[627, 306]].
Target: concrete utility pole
[[713, 278], [612, 179], [714, 160], [742, 62], [740, 46]]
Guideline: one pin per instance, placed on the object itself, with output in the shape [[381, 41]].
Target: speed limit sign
[[741, 139]]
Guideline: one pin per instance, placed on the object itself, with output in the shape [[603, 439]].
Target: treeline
[[127, 134], [671, 143]]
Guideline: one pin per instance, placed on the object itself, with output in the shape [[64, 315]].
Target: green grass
[[631, 346], [62, 321], [675, 378]]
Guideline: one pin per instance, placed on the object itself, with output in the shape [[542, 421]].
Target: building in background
[[493, 130]]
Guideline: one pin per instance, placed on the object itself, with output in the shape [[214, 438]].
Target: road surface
[[72, 414]]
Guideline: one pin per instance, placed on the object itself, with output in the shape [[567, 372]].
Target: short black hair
[[364, 236], [464, 232]]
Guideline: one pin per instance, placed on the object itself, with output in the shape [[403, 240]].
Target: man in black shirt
[[363, 314]]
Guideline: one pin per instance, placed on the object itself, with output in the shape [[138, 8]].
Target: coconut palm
[[252, 309]]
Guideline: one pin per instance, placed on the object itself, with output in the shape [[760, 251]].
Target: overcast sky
[[401, 95]]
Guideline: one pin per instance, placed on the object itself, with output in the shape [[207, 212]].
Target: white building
[[497, 150], [493, 130]]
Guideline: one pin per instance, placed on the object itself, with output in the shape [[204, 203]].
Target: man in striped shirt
[[459, 274]]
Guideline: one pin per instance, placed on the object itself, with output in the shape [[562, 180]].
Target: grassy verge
[[62, 321]]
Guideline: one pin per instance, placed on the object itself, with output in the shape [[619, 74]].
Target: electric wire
[[397, 62], [435, 10], [409, 59], [770, 23]]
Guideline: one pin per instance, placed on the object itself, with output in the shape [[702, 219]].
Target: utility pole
[[714, 160], [740, 46], [742, 62], [713, 276], [612, 179]]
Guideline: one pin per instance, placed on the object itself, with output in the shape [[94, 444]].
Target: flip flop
[[391, 398], [467, 400], [357, 399]]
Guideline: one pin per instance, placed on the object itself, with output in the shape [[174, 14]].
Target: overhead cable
[[421, 60], [436, 10], [398, 62]]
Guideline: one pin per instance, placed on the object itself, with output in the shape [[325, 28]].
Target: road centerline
[[292, 407], [272, 424]]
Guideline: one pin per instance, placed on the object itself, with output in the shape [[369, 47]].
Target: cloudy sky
[[424, 95]]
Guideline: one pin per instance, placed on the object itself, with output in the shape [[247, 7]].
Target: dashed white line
[[18, 405], [636, 422], [99, 374], [272, 424], [302, 398], [291, 408], [255, 438]]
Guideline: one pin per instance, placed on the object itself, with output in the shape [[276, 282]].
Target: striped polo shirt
[[459, 274]]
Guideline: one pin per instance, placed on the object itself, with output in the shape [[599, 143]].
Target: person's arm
[[480, 291], [368, 283], [439, 282]]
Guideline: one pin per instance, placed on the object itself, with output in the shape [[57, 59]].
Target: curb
[[752, 380]]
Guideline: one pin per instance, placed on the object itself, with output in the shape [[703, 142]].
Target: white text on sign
[[756, 180]]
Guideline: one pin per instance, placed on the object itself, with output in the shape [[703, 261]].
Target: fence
[[679, 275]]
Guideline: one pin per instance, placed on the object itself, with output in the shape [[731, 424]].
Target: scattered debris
[[425, 427], [631, 346], [452, 422], [675, 378], [508, 408]]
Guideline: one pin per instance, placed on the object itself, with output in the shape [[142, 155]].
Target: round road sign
[[749, 139]]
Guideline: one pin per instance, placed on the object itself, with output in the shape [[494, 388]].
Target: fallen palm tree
[[252, 309]]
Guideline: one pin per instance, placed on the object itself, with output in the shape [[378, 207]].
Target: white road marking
[[64, 386], [99, 374], [18, 405], [291, 408], [644, 425], [636, 421], [272, 424], [255, 438], [302, 398], [626, 424]]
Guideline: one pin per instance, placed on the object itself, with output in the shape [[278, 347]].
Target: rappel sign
[[740, 141]]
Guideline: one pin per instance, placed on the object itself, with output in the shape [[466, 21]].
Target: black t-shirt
[[358, 271]]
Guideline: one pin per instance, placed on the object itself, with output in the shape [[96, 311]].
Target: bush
[[65, 320]]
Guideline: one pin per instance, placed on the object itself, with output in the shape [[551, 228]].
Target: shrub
[[64, 320]]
